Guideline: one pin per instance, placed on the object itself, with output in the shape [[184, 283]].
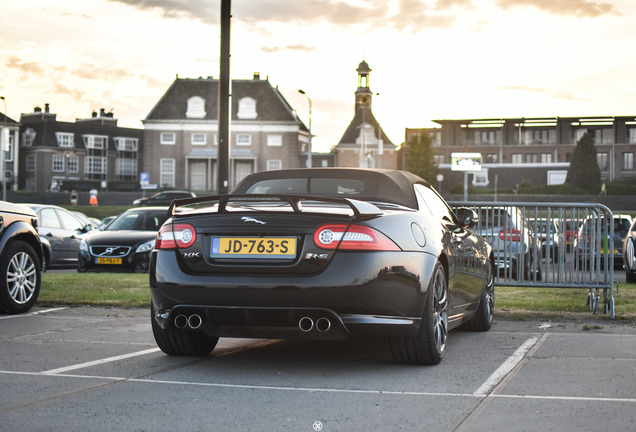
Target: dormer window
[[64, 139], [196, 107], [247, 108]]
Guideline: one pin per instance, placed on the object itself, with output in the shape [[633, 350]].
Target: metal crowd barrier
[[554, 245]]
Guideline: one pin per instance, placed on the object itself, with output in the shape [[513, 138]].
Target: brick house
[[87, 153], [181, 134]]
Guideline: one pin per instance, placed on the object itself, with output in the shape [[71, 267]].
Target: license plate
[[253, 247], [115, 261]]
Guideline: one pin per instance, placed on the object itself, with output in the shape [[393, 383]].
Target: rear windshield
[[139, 221], [311, 186]]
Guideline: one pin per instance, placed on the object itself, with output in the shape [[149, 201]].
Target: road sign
[[144, 178]]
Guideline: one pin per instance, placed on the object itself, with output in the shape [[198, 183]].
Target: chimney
[[46, 108], [37, 110], [94, 115], [102, 112], [257, 76]]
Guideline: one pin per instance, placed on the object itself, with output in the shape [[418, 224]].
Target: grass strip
[[132, 290]]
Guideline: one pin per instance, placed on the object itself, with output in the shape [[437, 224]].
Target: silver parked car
[[513, 241], [60, 232]]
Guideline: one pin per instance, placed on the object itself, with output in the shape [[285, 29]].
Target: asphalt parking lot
[[98, 369]]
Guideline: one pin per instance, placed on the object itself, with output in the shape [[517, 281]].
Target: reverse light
[[175, 236], [354, 237]]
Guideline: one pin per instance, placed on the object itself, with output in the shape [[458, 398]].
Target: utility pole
[[224, 100]]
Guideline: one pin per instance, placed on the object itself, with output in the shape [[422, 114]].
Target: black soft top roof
[[380, 185]]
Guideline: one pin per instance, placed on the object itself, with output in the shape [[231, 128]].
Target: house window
[[517, 158], [8, 153], [602, 161], [439, 159], [604, 136], [275, 140], [243, 139], [196, 107], [126, 144], [247, 108], [198, 139], [632, 135], [168, 138], [64, 139], [539, 137], [95, 142], [546, 157], [273, 165], [28, 137], [166, 172], [30, 163], [72, 164], [126, 167], [628, 161], [58, 163], [95, 165], [492, 158]]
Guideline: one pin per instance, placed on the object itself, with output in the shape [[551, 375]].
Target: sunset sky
[[444, 59]]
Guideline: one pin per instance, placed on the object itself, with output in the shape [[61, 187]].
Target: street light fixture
[[309, 161]]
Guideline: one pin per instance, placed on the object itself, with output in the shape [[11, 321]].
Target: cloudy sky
[[431, 59]]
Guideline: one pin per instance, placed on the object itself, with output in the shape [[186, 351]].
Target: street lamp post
[[2, 157], [309, 161]]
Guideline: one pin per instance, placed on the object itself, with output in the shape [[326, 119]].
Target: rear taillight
[[510, 235], [354, 237], [175, 236]]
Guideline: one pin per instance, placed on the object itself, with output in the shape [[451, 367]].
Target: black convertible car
[[320, 253]]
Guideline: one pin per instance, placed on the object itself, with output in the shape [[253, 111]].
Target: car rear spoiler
[[360, 208]]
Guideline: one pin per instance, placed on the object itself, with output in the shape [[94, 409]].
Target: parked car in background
[[93, 222], [514, 243], [20, 258], [60, 233], [629, 254], [547, 233], [592, 242], [163, 198], [104, 222], [321, 253], [125, 244]]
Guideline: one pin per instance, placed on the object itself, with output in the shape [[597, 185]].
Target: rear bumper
[[283, 323], [374, 294]]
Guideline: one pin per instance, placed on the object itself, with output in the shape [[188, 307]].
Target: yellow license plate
[[253, 247], [108, 260]]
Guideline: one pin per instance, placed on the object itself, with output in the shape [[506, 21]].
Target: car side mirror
[[467, 217]]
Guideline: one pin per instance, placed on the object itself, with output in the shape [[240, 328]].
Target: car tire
[[630, 262], [429, 345], [20, 277], [485, 313], [179, 342]]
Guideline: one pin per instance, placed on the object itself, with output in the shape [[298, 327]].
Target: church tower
[[364, 144]]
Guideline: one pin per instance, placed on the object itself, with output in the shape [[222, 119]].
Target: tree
[[584, 171], [420, 157]]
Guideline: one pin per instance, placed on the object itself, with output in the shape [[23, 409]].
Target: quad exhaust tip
[[193, 321], [307, 324]]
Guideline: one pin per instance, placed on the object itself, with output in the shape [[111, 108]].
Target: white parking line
[[32, 313], [506, 367], [98, 362]]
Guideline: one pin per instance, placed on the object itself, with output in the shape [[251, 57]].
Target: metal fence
[[554, 245]]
